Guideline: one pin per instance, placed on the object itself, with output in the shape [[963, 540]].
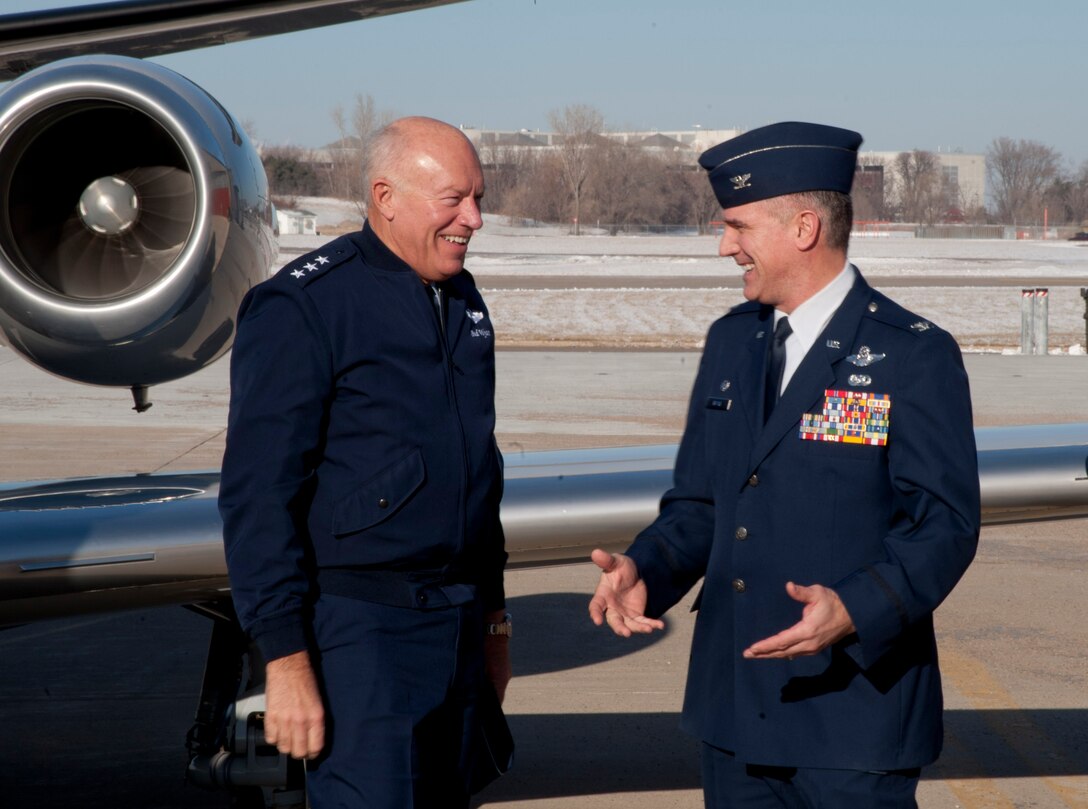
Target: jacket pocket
[[380, 497]]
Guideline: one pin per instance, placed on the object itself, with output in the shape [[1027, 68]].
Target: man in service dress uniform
[[361, 485], [826, 487]]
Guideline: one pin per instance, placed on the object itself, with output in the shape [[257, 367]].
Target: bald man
[[361, 485]]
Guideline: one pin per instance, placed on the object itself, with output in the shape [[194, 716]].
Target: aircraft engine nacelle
[[134, 215]]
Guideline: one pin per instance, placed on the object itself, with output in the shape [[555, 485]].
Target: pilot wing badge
[[864, 357], [475, 315]]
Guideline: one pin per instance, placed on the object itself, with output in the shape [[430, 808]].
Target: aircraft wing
[[74, 546], [142, 28]]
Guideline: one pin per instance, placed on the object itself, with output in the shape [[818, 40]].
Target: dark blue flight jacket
[[879, 501], [359, 436]]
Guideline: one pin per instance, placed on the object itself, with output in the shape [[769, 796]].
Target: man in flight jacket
[[361, 486]]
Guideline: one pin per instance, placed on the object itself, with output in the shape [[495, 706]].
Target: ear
[[382, 198], [806, 230]]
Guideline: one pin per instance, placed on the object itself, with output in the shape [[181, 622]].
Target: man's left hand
[[824, 620], [497, 665]]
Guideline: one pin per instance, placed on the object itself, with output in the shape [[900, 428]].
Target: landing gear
[[227, 748]]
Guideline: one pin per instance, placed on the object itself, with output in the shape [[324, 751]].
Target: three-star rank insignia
[[311, 266]]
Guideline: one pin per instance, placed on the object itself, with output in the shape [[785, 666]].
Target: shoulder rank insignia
[[313, 265], [864, 357], [849, 417], [921, 325]]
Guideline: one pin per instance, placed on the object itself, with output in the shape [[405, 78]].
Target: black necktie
[[776, 366]]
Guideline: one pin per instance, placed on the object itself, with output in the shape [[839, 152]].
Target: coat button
[[753, 480], [741, 533], [383, 503], [739, 585]]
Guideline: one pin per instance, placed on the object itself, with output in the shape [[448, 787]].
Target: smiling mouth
[[461, 240]]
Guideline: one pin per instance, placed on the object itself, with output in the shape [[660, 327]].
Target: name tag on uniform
[[850, 417], [717, 403]]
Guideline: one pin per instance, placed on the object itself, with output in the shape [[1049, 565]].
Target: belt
[[395, 588]]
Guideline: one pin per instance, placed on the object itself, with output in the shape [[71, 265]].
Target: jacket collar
[[375, 253], [815, 373], [378, 255]]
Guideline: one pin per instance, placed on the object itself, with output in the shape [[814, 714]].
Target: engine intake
[[134, 215]]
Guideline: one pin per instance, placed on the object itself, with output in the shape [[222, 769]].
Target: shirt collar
[[810, 318]]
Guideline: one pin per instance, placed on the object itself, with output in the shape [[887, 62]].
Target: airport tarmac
[[95, 708]]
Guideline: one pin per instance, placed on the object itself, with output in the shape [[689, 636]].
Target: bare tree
[[345, 170], [868, 190], [290, 172], [579, 128], [1077, 200], [616, 182], [506, 169], [919, 186], [1019, 172], [1066, 199], [541, 192]]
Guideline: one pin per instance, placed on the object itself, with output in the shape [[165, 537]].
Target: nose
[[728, 245], [470, 213]]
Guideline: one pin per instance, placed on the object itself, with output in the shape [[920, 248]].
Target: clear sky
[[925, 74]]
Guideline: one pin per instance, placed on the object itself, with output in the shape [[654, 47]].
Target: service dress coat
[[360, 437], [884, 510]]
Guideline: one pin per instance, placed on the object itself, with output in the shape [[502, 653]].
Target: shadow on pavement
[[95, 711], [559, 634], [588, 754]]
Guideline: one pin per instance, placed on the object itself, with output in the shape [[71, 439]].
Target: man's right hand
[[294, 718], [620, 598]]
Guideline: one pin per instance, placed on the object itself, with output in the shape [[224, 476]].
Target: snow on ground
[[329, 213], [983, 317]]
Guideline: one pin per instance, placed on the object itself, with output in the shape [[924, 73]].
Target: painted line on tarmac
[[1028, 741], [972, 793], [21, 634]]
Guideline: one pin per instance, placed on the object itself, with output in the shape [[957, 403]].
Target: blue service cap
[[785, 158]]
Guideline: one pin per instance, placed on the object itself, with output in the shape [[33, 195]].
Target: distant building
[[296, 223], [964, 172], [497, 146], [875, 180]]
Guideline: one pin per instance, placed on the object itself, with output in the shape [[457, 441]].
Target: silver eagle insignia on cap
[[741, 181]]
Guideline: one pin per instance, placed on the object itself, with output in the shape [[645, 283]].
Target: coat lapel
[[753, 370], [815, 374]]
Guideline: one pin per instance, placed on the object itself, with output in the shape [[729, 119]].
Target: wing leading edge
[[143, 28], [75, 546]]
